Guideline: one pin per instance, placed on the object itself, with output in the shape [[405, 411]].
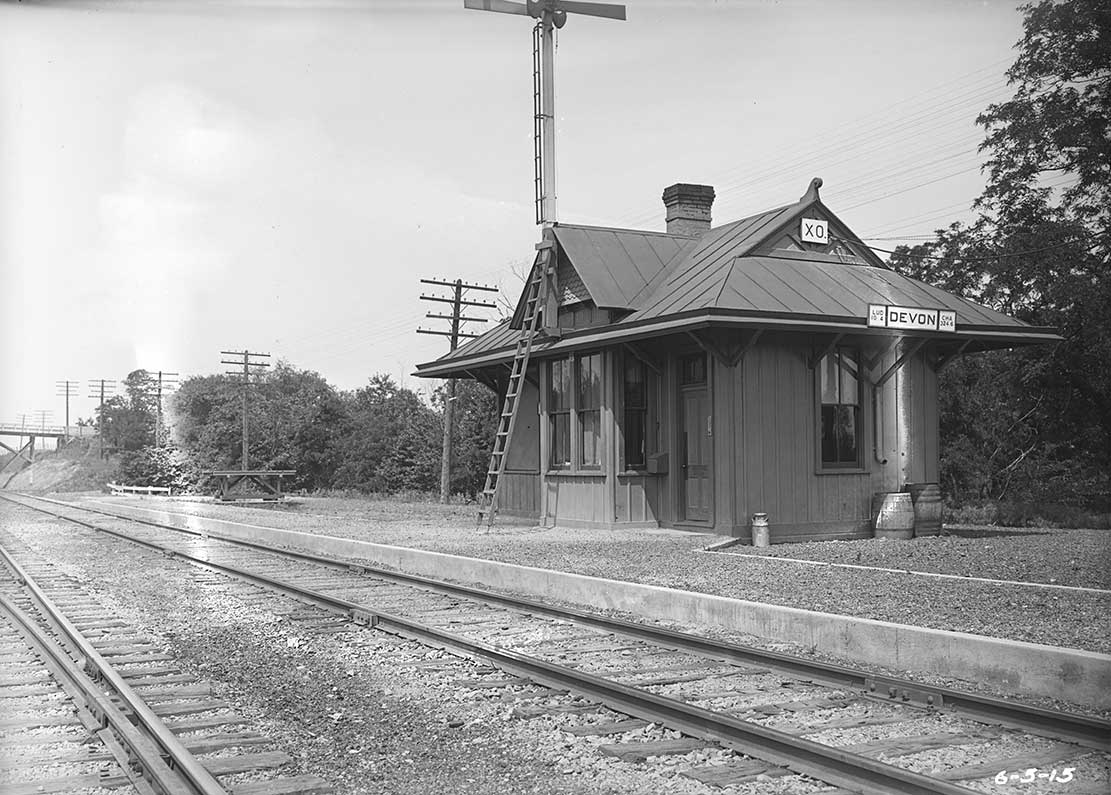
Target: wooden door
[[696, 472]]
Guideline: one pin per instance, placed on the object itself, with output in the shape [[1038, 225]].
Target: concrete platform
[[1072, 675]]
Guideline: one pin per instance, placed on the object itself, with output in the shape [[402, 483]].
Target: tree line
[[381, 438]]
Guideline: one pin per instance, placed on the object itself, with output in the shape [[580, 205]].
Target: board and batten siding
[[519, 491], [776, 444], [775, 437]]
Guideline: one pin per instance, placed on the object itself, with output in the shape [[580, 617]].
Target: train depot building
[[693, 378]]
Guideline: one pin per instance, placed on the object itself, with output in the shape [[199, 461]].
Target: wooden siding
[[519, 495], [776, 453], [576, 500], [636, 499]]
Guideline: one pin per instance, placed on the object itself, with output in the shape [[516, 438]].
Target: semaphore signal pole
[[456, 317], [247, 364]]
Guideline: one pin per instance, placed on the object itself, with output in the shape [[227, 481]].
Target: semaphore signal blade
[[607, 10], [501, 6]]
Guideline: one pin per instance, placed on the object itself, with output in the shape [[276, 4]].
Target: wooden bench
[[268, 480]]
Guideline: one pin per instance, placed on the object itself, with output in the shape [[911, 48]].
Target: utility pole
[[456, 318], [244, 360], [162, 380], [68, 389], [104, 386]]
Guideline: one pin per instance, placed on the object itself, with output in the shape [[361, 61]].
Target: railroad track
[[92, 705], [789, 715]]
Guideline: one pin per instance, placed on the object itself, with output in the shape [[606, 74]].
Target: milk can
[[760, 530]]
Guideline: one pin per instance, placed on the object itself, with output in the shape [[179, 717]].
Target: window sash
[[634, 425], [841, 433]]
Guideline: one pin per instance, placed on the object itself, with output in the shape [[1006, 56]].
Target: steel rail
[[166, 744], [1087, 731], [826, 763], [149, 757]]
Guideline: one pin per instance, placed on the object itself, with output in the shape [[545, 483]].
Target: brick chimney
[[688, 208]]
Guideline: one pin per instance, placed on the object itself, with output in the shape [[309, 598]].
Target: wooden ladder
[[534, 303]]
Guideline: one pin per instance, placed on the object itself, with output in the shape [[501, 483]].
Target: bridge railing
[[73, 431]]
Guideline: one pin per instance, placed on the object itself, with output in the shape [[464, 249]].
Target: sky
[[185, 178]]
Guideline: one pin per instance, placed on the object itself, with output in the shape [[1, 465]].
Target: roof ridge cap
[[625, 229]]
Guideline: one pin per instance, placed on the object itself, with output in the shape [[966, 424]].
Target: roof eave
[[628, 331]]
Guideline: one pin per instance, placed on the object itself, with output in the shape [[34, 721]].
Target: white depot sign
[[814, 230], [911, 318]]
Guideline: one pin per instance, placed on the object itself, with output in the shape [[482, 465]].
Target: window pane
[[839, 434], [850, 393], [590, 381], [561, 439], [840, 410], [635, 421], [588, 424], [692, 369], [828, 369], [559, 397], [634, 384]]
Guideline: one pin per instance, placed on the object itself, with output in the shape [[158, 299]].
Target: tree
[[1036, 421], [295, 419], [129, 420], [393, 441], [476, 421], [1057, 120]]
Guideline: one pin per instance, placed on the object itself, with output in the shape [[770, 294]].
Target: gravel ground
[[364, 710], [1053, 616]]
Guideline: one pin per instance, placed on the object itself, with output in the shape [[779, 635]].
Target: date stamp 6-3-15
[[1032, 774]]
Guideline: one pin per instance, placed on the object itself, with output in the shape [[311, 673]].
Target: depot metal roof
[[730, 276], [619, 265]]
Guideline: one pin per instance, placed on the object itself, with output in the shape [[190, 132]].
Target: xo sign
[[814, 230]]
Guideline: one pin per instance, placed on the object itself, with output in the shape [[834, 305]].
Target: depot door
[[695, 442]]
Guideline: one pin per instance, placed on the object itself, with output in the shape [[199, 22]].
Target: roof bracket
[[710, 348], [483, 378], [819, 356], [871, 362], [649, 362], [890, 371], [944, 360], [743, 346], [509, 366]]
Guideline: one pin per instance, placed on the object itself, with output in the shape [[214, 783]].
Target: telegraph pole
[[104, 386], [169, 381], [456, 318], [68, 389], [245, 359]]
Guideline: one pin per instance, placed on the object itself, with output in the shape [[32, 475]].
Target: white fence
[[118, 490]]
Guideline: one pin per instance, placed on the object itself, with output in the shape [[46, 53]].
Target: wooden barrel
[[926, 498], [892, 515]]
